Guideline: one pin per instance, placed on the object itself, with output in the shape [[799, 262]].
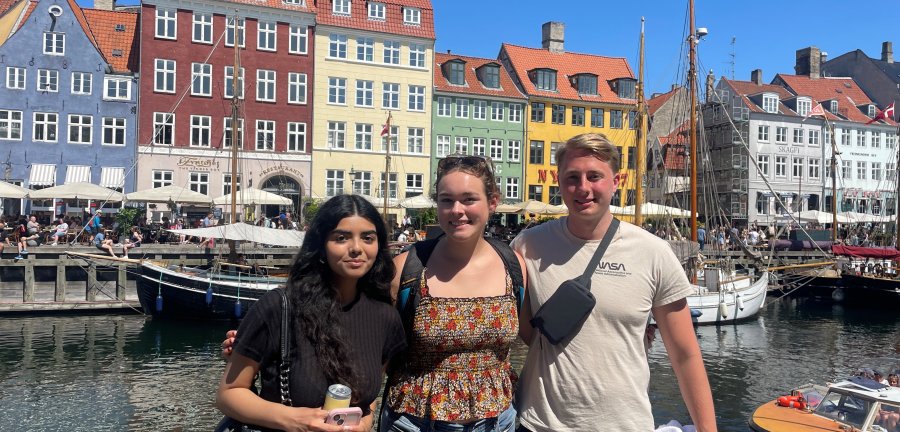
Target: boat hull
[[197, 296], [752, 294], [871, 289], [774, 418]]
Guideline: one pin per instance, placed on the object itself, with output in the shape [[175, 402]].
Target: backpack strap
[[511, 262], [408, 295]]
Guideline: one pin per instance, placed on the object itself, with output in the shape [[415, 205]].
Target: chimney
[[887, 52], [105, 4], [553, 36], [756, 76], [710, 80], [809, 62]]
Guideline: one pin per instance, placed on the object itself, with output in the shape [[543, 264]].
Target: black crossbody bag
[[567, 308]]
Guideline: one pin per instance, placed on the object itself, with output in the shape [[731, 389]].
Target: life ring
[[792, 402]]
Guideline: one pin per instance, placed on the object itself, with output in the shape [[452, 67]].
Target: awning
[[113, 178], [78, 174], [765, 194], [42, 175]]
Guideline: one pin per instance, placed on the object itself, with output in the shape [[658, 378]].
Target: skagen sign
[[281, 168], [193, 162]]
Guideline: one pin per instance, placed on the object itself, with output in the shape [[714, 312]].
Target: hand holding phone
[[344, 416]]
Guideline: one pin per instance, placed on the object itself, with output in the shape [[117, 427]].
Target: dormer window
[[412, 16], [376, 11], [626, 88], [770, 103], [117, 53], [489, 75], [833, 107], [544, 79], [871, 111], [120, 28], [455, 71], [54, 43], [804, 105], [341, 7], [294, 2], [585, 83]]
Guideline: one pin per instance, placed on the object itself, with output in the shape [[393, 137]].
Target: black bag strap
[[595, 261], [284, 368]]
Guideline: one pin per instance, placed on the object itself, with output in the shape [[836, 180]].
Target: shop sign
[[198, 163], [281, 169]]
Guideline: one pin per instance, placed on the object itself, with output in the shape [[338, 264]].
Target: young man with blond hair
[[597, 378]]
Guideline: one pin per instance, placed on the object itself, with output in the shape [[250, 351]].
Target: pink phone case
[[344, 416]]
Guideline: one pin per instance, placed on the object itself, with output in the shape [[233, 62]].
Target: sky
[[766, 33]]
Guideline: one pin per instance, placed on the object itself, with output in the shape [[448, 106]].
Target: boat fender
[[209, 295], [838, 295], [723, 309], [238, 308], [159, 303], [695, 313], [739, 302]]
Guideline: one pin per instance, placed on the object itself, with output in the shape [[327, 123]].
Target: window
[[496, 150], [298, 39], [45, 126], [861, 168], [391, 52], [537, 112], [797, 168], [163, 128], [202, 28], [462, 108], [515, 113], [813, 137], [226, 183], [780, 166], [871, 111], [804, 105], [229, 32], [229, 83], [770, 103], [166, 20], [845, 136], [443, 106], [597, 115], [889, 141], [860, 138], [615, 119], [513, 149], [412, 16], [341, 7], [334, 182], [337, 46], [417, 55], [833, 107], [554, 146], [545, 79], [376, 11], [763, 162], [162, 178], [798, 136], [80, 127], [113, 131], [296, 88], [478, 147], [443, 145], [512, 187], [201, 79], [891, 172], [265, 36], [413, 184], [390, 96], [200, 130], [164, 74], [365, 49], [265, 85], [876, 171], [199, 182], [337, 90], [364, 93], [227, 133], [577, 116], [763, 133], [81, 83], [415, 141], [336, 132], [391, 184], [363, 136], [632, 119], [587, 84], [876, 140], [15, 78], [416, 98], [555, 197], [780, 134], [479, 110], [48, 80], [117, 88], [490, 76], [54, 43], [827, 137], [296, 137], [536, 192], [10, 125], [536, 155], [558, 114], [497, 111], [462, 145], [265, 135], [394, 133], [846, 173], [457, 73]]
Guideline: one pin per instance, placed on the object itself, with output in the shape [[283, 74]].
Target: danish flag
[[386, 130], [888, 113]]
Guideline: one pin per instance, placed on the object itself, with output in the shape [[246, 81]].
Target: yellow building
[[10, 14], [571, 94], [372, 60]]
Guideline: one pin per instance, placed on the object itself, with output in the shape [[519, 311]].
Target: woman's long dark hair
[[313, 295]]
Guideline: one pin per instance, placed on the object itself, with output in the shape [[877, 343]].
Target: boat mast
[[234, 124], [387, 174], [641, 136], [897, 193], [692, 84], [834, 155]]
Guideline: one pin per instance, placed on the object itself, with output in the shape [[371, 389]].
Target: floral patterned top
[[457, 367]]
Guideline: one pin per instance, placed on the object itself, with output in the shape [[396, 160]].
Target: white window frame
[[479, 109], [296, 88], [798, 136], [265, 85], [163, 178], [201, 131], [513, 150], [337, 134], [117, 87], [82, 83], [265, 135], [416, 99], [10, 125], [226, 132], [781, 166], [814, 168], [442, 145], [164, 75], [298, 40], [395, 140], [47, 124], [117, 128], [337, 91], [770, 103], [876, 139], [414, 183], [241, 32], [512, 187], [479, 146], [341, 7], [391, 52], [497, 111], [763, 162], [337, 46], [48, 80], [365, 93], [296, 137], [390, 96], [201, 79], [362, 182], [54, 43], [496, 150], [334, 182], [762, 133], [228, 86], [444, 105], [363, 139], [376, 11], [267, 36], [163, 122], [417, 55], [412, 16], [812, 138], [781, 134], [16, 77], [415, 140], [804, 105], [166, 23], [202, 28], [226, 183], [199, 182], [462, 108], [797, 164], [846, 170], [80, 128], [461, 145], [861, 170], [365, 49], [515, 113]]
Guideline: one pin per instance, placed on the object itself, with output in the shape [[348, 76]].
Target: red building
[[186, 68]]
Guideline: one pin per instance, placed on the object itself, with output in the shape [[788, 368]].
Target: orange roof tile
[[567, 65], [674, 147], [844, 90], [473, 85], [120, 48], [657, 102], [392, 24], [749, 88], [276, 4], [6, 5]]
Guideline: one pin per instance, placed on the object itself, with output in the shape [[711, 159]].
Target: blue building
[[68, 99]]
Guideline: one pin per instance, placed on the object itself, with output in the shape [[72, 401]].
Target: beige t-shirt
[[597, 379]]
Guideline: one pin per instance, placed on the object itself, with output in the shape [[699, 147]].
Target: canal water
[[128, 372]]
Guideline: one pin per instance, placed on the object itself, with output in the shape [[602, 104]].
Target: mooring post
[[91, 294], [121, 280], [28, 294], [60, 294]]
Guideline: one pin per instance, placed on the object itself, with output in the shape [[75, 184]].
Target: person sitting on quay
[[133, 242], [103, 243], [29, 234], [93, 225], [62, 229]]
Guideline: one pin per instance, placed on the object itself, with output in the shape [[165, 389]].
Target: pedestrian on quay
[[344, 328], [581, 384], [701, 236], [103, 243]]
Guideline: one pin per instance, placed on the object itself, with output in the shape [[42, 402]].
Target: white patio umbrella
[[81, 190], [538, 207], [251, 196], [652, 209], [507, 208], [418, 202], [9, 190], [172, 193]]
